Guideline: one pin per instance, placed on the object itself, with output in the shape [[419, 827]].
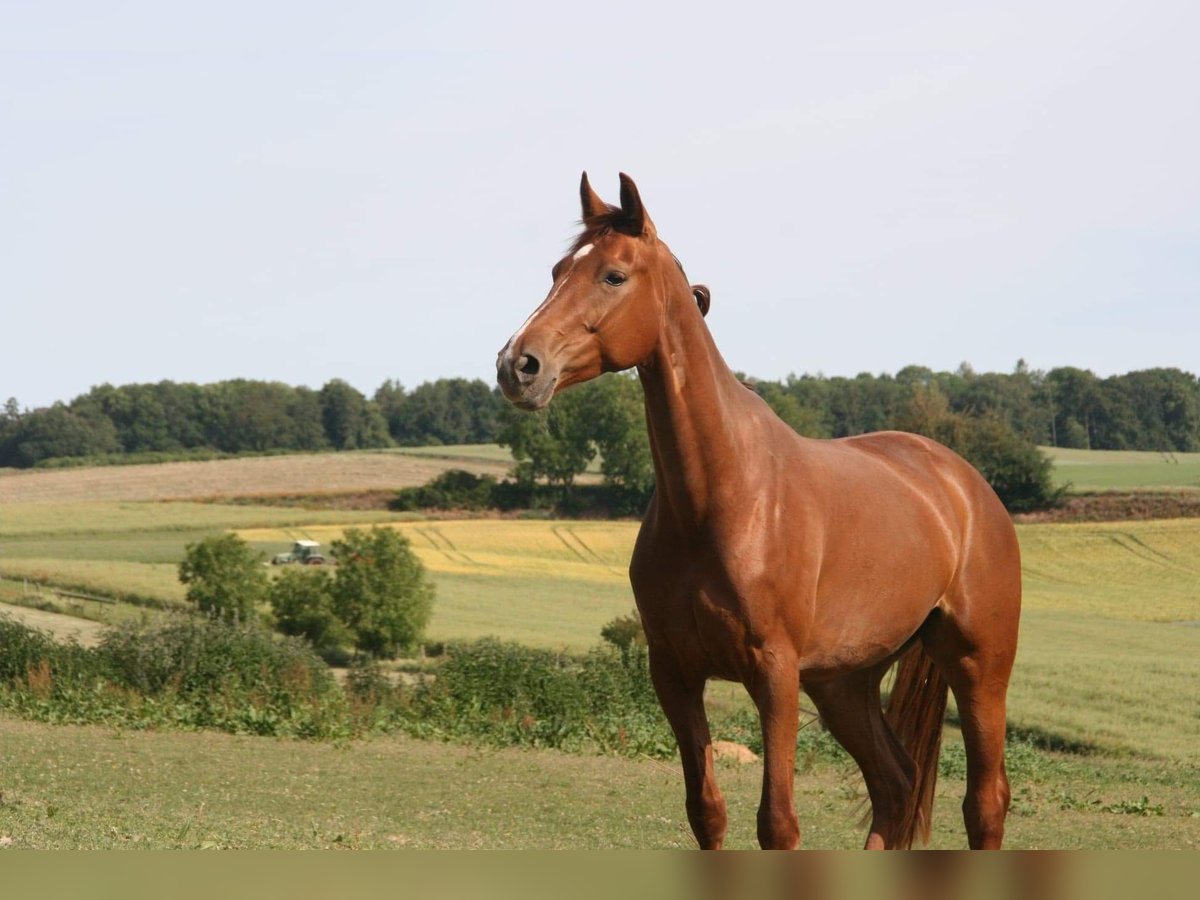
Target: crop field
[[1125, 470]]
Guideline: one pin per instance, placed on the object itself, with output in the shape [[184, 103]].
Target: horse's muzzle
[[523, 379]]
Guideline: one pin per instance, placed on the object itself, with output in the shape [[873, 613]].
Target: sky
[[371, 190]]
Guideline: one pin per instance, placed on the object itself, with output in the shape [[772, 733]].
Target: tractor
[[307, 553]]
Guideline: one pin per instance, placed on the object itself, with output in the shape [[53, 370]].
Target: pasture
[[1124, 470], [1102, 709]]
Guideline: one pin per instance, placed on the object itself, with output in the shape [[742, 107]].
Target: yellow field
[[1130, 570], [574, 551]]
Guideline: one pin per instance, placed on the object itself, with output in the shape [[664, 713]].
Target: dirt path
[[62, 627]]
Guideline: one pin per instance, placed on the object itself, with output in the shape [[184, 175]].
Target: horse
[[780, 561]]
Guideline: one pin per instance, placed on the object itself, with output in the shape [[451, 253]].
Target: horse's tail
[[916, 710]]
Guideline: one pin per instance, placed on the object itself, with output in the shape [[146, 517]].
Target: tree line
[[244, 416], [1152, 409]]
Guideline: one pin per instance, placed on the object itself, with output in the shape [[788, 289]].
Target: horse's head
[[604, 310]]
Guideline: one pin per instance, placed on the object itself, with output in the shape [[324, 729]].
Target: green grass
[[85, 787], [1124, 470], [25, 520]]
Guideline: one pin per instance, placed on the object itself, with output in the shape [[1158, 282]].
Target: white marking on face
[[579, 254]]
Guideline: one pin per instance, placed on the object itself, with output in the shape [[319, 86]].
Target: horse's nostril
[[528, 365]]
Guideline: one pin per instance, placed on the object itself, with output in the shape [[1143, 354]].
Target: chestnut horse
[[776, 560]]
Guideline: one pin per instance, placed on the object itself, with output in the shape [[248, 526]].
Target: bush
[[193, 673], [381, 592], [196, 657], [507, 694], [1018, 472], [453, 489], [624, 632], [225, 578], [302, 602]]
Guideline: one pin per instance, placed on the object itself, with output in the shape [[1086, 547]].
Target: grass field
[[1125, 470], [82, 787], [1104, 686]]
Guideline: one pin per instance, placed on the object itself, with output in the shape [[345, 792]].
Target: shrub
[[1018, 472], [191, 673], [225, 578], [507, 694], [381, 591], [302, 602], [452, 489], [625, 631]]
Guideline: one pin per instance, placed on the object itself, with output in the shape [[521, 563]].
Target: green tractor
[[307, 553]]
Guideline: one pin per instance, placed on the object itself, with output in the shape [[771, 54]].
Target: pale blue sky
[[301, 191]]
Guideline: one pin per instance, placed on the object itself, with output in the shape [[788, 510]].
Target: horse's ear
[[593, 206], [634, 220], [703, 297]]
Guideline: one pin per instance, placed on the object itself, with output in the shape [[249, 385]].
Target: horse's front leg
[[681, 695], [775, 689]]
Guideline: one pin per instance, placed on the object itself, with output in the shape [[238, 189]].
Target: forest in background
[[1152, 409]]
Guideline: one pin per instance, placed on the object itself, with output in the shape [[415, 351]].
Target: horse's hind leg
[[851, 711], [975, 650], [682, 700]]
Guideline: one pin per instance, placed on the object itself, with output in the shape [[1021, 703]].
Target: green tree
[[351, 421], [225, 578], [58, 431], [802, 419], [1018, 472], [302, 602], [380, 591], [446, 411], [556, 444], [618, 416]]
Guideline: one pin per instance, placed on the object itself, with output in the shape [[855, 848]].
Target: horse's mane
[[596, 227]]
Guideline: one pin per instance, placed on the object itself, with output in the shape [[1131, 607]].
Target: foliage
[[188, 673], [1018, 472], [507, 694], [225, 578], [446, 411], [381, 592], [452, 489], [302, 603], [624, 632], [350, 421], [1151, 409], [555, 444]]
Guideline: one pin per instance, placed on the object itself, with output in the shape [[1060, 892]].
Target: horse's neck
[[695, 410]]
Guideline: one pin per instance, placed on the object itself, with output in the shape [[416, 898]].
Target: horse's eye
[[615, 278]]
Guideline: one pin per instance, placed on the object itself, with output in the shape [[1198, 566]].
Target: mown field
[[1103, 702], [269, 475]]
